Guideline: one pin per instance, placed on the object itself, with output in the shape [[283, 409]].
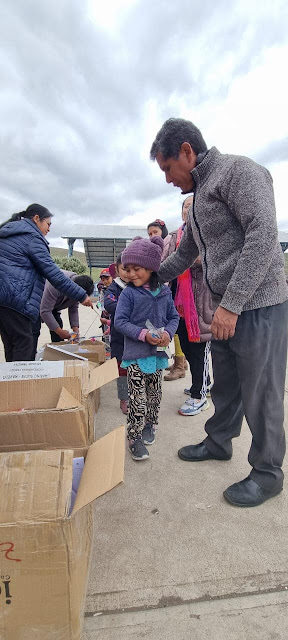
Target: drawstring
[[205, 370]]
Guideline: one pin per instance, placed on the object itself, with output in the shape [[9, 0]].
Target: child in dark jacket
[[144, 300], [111, 297]]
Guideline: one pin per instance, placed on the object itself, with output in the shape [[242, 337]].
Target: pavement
[[171, 558]]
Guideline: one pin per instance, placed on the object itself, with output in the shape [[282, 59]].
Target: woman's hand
[[87, 302]]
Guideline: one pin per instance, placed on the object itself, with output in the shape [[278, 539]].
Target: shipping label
[[34, 369]]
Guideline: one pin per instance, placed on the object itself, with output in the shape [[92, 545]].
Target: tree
[[70, 264]]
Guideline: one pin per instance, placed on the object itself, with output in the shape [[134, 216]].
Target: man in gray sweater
[[53, 302], [232, 224]]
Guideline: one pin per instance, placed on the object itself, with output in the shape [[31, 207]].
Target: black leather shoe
[[248, 493], [198, 452]]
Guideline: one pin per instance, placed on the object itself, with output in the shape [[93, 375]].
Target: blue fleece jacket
[[135, 306], [111, 297], [25, 262]]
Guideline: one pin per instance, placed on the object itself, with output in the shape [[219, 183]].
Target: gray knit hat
[[144, 253]]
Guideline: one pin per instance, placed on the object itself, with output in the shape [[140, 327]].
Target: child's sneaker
[[138, 450], [148, 434], [193, 406]]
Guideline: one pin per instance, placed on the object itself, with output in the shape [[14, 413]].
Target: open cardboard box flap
[[69, 353], [67, 401], [103, 469], [86, 350], [36, 485], [103, 374]]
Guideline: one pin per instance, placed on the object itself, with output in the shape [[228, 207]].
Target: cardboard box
[[91, 381], [44, 552], [50, 412], [85, 350]]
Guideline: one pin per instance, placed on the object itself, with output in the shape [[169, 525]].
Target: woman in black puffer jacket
[[25, 263]]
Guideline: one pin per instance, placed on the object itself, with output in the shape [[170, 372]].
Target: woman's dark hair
[[171, 136], [30, 212], [119, 259], [161, 225], [154, 281], [86, 283]]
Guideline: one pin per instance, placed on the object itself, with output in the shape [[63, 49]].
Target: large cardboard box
[[85, 350], [50, 412], [44, 551]]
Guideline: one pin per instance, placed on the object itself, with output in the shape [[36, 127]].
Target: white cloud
[[86, 86]]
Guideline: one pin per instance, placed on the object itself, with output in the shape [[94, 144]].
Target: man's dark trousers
[[249, 380], [57, 316]]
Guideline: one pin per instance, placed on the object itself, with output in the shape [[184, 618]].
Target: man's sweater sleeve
[[48, 303], [182, 259], [73, 313], [248, 192]]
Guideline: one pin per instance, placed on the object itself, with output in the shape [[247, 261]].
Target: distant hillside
[[62, 253]]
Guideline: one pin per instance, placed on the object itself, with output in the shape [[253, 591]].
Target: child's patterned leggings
[[145, 393]]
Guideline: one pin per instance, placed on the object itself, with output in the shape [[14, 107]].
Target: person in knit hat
[[147, 318], [111, 297]]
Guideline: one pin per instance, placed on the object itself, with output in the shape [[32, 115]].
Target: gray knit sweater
[[232, 224]]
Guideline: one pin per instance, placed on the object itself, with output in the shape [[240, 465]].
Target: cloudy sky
[[86, 84]]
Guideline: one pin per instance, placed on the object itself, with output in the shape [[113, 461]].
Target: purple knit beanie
[[144, 253]]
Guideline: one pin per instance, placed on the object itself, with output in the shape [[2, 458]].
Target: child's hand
[[149, 338], [165, 339]]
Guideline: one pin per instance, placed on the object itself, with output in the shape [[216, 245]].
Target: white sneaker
[[193, 406]]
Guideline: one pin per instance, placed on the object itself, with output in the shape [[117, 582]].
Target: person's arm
[[248, 193], [48, 303], [40, 257], [73, 313], [181, 259], [110, 301]]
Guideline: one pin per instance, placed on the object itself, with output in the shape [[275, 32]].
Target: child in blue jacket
[[111, 297], [144, 299]]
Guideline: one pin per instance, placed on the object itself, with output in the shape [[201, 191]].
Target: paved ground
[[172, 560]]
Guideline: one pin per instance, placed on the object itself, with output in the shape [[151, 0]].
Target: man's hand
[[165, 339], [62, 333], [149, 338], [224, 324], [87, 302], [75, 329]]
